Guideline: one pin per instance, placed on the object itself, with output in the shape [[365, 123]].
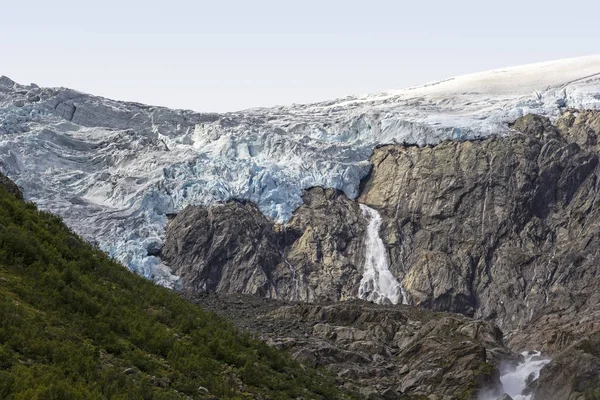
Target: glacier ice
[[115, 170]]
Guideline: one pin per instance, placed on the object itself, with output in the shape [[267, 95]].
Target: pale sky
[[231, 55]]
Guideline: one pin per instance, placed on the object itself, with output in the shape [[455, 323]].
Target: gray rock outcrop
[[10, 186], [383, 352], [573, 373], [503, 229], [234, 248]]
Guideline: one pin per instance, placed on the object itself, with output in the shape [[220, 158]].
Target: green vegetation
[[592, 394], [76, 325]]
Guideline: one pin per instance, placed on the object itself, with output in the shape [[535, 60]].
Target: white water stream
[[515, 381], [378, 284]]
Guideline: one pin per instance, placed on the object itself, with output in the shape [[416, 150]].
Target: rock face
[[385, 352], [10, 186], [581, 127], [234, 248], [503, 229], [573, 373]]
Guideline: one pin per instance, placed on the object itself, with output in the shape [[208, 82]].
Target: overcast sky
[[229, 55]]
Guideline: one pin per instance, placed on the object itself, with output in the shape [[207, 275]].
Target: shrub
[[76, 325]]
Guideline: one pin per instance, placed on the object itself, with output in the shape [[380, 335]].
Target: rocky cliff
[[503, 229], [234, 248]]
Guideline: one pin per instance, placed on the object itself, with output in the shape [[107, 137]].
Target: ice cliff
[[115, 170]]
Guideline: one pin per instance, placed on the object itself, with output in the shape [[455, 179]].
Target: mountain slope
[[114, 170], [386, 352], [503, 229], [76, 325]]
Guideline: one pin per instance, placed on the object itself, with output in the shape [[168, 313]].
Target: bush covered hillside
[[76, 325]]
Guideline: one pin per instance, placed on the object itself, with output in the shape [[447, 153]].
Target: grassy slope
[[74, 324]]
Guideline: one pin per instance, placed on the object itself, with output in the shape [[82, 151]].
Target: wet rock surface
[[573, 373]]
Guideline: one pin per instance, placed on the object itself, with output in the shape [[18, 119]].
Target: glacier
[[115, 171]]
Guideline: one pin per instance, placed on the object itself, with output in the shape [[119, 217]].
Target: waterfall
[[516, 379], [514, 382], [378, 284]]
